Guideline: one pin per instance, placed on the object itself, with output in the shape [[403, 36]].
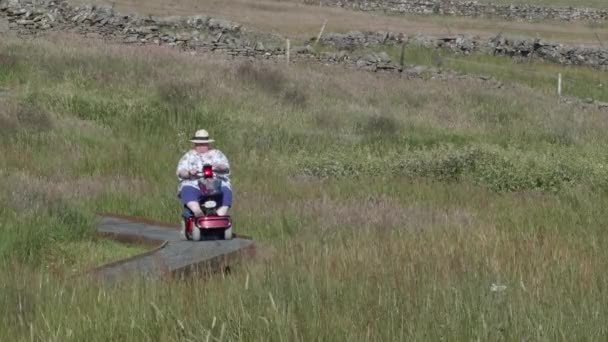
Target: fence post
[[287, 50], [321, 32], [559, 85]]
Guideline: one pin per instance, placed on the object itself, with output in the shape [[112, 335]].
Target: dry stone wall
[[466, 44], [473, 9], [28, 17]]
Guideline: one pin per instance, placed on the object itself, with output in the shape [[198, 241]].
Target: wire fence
[[561, 78], [519, 69]]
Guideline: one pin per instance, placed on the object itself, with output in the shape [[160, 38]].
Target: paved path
[[170, 256]]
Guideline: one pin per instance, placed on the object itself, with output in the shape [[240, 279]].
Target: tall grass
[[582, 82], [388, 209]]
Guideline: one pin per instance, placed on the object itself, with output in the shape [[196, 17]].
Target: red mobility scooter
[[210, 225]]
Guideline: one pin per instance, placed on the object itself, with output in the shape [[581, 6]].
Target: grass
[[390, 209]]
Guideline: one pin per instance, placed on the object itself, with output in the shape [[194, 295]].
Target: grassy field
[[297, 20], [577, 81], [388, 209]]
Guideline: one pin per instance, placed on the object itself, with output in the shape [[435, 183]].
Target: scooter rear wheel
[[196, 233], [228, 234]]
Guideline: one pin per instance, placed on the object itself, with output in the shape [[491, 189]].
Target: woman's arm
[[184, 171], [220, 162]]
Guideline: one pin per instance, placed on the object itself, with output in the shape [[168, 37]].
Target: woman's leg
[[189, 196], [226, 201]]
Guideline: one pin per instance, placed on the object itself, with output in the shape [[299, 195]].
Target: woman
[[191, 164]]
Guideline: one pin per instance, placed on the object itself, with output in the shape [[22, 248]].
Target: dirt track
[[170, 256]]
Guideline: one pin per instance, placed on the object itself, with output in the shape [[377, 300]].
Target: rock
[[147, 29], [197, 21], [383, 57], [168, 37], [170, 21], [371, 58], [361, 63], [183, 37], [420, 69], [386, 67], [131, 40], [302, 49], [223, 25], [24, 22]]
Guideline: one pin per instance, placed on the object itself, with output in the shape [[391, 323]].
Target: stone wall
[[473, 9], [499, 45], [27, 17]]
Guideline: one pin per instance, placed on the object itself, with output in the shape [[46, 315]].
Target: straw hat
[[201, 136]]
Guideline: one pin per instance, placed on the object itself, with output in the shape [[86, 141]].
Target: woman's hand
[[185, 174], [221, 167]]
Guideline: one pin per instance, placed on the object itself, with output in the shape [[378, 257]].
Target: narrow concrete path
[[171, 256]]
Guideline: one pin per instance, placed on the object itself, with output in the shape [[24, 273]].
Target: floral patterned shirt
[[193, 160]]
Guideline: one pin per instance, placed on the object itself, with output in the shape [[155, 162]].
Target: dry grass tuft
[[295, 96], [29, 193], [268, 79], [32, 118], [28, 117], [380, 125], [7, 61], [8, 126], [181, 94], [381, 212]]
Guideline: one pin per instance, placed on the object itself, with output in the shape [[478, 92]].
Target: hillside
[[416, 202]]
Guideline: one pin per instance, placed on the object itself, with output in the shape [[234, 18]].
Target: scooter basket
[[210, 187]]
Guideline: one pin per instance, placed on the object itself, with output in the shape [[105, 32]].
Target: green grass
[[386, 208], [577, 81], [553, 3]]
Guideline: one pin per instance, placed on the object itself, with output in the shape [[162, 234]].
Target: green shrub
[[493, 167]]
